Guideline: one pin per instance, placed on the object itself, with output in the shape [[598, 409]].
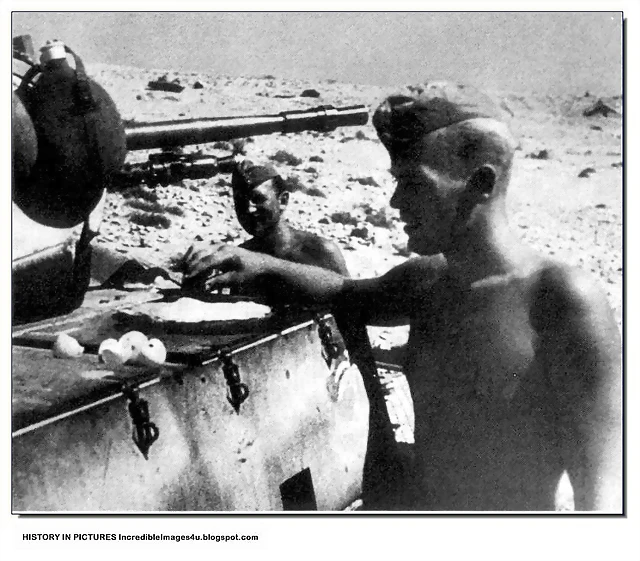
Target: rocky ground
[[566, 195]]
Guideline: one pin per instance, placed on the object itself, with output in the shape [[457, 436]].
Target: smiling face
[[260, 208]]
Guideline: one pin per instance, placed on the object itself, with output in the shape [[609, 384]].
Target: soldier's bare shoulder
[[310, 242], [564, 295], [310, 248]]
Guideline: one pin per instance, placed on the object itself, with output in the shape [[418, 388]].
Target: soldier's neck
[[276, 239], [489, 249]]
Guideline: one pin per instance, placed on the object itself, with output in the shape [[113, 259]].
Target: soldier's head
[[451, 154], [260, 197]]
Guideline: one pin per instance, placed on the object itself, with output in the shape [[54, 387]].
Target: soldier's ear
[[478, 190], [482, 182]]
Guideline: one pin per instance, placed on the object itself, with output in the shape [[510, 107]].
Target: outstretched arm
[[387, 299], [581, 349], [220, 266]]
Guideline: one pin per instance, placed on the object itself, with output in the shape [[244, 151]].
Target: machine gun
[[172, 164]]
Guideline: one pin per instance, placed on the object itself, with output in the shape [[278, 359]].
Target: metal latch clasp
[[329, 343], [237, 391], [145, 433]]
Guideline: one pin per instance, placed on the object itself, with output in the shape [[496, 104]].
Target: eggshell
[[66, 346], [112, 353], [132, 343], [154, 353], [110, 344]]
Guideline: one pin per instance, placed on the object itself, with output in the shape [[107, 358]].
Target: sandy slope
[[575, 219]]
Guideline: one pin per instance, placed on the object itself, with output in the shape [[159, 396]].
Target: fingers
[[215, 267], [220, 281], [187, 255], [215, 281], [198, 262], [197, 267], [194, 284], [201, 262], [196, 250]]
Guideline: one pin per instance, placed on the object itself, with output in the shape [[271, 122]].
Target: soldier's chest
[[476, 352]]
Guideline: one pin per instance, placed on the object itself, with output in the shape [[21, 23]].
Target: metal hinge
[[237, 392], [329, 343], [145, 433]]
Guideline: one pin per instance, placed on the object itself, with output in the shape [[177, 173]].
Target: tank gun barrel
[[168, 134]]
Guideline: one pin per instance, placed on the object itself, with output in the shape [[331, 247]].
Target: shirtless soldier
[[513, 360], [261, 198]]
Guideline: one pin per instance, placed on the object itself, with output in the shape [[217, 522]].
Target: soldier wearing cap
[[260, 197], [513, 359]]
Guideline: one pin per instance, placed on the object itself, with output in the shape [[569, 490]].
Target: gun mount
[[171, 164]]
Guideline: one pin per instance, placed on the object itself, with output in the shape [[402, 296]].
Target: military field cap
[[406, 117], [247, 175]]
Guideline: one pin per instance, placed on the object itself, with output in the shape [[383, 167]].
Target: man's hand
[[219, 266]]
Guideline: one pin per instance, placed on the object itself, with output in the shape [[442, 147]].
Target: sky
[[544, 52]]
